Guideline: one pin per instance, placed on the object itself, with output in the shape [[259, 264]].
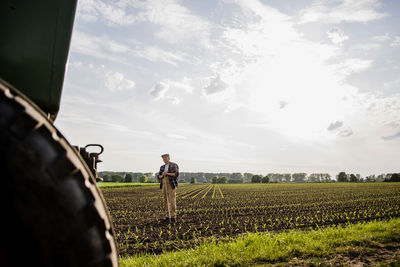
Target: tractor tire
[[52, 212]]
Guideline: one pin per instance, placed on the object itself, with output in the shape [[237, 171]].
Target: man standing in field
[[168, 176]]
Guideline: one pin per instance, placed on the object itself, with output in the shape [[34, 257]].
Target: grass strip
[[119, 185], [272, 248]]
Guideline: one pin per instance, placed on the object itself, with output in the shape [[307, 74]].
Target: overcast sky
[[227, 86]]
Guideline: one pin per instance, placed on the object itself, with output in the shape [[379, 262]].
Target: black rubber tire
[[53, 213]]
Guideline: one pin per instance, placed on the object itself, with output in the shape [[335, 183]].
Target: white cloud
[[366, 46], [282, 104], [391, 137], [268, 60], [381, 38], [345, 133], [115, 81], [392, 84], [383, 111], [327, 11], [396, 41], [158, 90], [105, 48], [99, 47], [154, 53], [114, 13], [215, 85], [174, 100], [171, 90], [175, 22], [394, 124], [74, 64], [176, 136], [184, 84], [101, 123], [352, 65], [86, 10], [335, 125], [337, 36]]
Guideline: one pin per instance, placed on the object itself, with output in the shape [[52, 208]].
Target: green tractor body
[[34, 48], [34, 45]]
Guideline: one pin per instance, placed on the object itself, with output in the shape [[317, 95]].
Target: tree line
[[353, 178], [127, 177], [237, 177]]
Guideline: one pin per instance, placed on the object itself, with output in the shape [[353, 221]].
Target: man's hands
[[166, 174], [162, 175]]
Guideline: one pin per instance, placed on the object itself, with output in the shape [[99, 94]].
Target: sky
[[236, 85]]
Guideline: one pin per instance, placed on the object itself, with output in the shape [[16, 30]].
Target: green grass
[[118, 185], [284, 247]]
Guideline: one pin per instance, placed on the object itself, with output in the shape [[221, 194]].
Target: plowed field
[[222, 211]]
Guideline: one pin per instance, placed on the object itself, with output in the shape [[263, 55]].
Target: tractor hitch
[[91, 158]]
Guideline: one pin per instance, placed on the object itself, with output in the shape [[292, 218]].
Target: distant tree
[[342, 177], [299, 177], [380, 178], [370, 178], [222, 180], [236, 175], [117, 178], [265, 179], [256, 179], [214, 179], [278, 177], [394, 177], [314, 178], [288, 177], [107, 178], [247, 176], [272, 178], [149, 175], [326, 177], [143, 179], [208, 177], [353, 178], [193, 180], [136, 176], [128, 178]]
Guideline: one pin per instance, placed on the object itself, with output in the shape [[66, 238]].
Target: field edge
[[295, 246], [103, 185]]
